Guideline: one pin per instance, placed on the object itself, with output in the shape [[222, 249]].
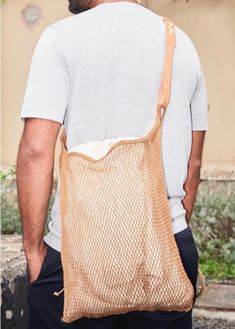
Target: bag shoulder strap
[[165, 82]]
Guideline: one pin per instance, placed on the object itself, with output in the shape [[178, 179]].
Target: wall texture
[[209, 23]]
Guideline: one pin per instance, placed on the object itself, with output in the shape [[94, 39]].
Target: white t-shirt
[[98, 73]]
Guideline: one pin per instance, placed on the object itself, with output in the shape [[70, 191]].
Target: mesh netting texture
[[118, 249]]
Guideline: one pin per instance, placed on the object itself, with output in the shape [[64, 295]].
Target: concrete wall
[[209, 23], [14, 284]]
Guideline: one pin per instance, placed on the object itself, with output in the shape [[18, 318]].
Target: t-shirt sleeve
[[199, 104], [47, 89]]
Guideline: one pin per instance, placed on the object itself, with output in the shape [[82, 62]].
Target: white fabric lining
[[98, 149]]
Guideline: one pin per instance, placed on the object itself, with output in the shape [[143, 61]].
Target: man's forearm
[[191, 188], [34, 186], [194, 172]]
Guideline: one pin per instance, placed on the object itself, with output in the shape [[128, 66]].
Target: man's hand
[[34, 177], [35, 260]]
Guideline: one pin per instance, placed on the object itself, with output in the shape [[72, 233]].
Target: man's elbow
[[194, 170], [31, 151]]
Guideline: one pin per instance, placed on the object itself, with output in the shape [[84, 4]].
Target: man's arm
[[194, 166], [34, 177]]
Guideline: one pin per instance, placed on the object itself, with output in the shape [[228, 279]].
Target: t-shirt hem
[[179, 224], [53, 241], [200, 125], [41, 116]]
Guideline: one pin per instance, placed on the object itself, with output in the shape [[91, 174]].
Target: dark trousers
[[45, 309]]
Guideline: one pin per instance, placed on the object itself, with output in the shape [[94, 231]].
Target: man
[[98, 73]]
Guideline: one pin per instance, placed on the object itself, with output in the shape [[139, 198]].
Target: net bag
[[118, 250]]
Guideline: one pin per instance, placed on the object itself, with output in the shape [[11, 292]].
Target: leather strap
[[165, 83]]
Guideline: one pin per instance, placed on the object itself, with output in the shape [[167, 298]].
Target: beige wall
[[18, 42], [209, 23]]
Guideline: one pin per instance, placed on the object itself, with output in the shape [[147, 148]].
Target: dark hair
[[78, 6], [72, 7]]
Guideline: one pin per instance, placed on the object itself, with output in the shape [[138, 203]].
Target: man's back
[[106, 65]]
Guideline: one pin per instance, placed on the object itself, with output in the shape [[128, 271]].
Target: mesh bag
[[118, 249]]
